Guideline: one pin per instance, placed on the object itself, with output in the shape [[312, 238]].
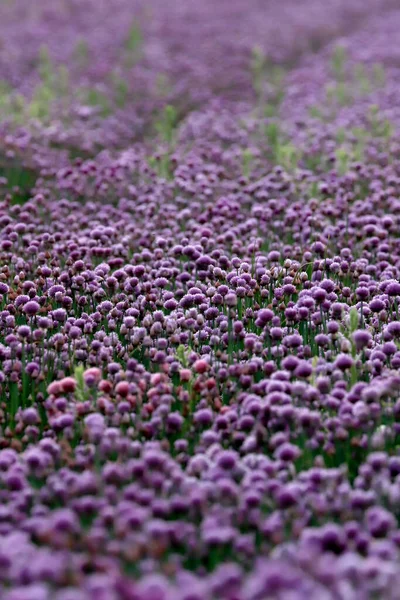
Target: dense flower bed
[[199, 300]]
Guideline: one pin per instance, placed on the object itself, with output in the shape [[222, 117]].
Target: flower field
[[199, 300]]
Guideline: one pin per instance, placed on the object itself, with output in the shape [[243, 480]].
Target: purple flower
[[31, 308], [361, 338]]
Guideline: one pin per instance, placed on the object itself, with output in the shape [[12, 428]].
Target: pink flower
[[122, 388], [54, 388], [201, 366], [68, 385], [185, 374]]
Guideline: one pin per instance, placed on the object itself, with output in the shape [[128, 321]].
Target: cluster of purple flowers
[[199, 301]]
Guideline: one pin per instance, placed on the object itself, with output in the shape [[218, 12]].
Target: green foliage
[[20, 179], [313, 190], [287, 156], [134, 39], [351, 82], [339, 93], [263, 71], [121, 89], [54, 86], [95, 97], [350, 327], [343, 158], [359, 144], [257, 66], [380, 126], [5, 90], [353, 319], [81, 53], [341, 135], [352, 144], [282, 151], [81, 392], [165, 126], [182, 354], [133, 44], [162, 165], [39, 107], [273, 133], [362, 79], [45, 66], [163, 85], [338, 62], [316, 112], [247, 158], [11, 104], [378, 75]]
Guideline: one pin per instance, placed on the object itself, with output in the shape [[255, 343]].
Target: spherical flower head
[[323, 384], [274, 256], [175, 421], [32, 369], [344, 362], [31, 308], [276, 333], [30, 416], [185, 375], [287, 452], [59, 315], [24, 331], [105, 386], [264, 316], [170, 304], [68, 385], [293, 341], [393, 289], [4, 289], [92, 376], [122, 388], [75, 333], [394, 329], [333, 538], [231, 299], [376, 305], [201, 366], [379, 521], [333, 327], [362, 293], [361, 338], [95, 421], [389, 348], [303, 370], [113, 368], [54, 388], [287, 497], [319, 294], [290, 362], [203, 417], [227, 460]]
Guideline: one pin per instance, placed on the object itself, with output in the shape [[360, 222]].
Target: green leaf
[[181, 354], [167, 122], [247, 157], [134, 39], [338, 61], [257, 66], [81, 52], [272, 131], [353, 319], [342, 159], [379, 75], [81, 391]]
